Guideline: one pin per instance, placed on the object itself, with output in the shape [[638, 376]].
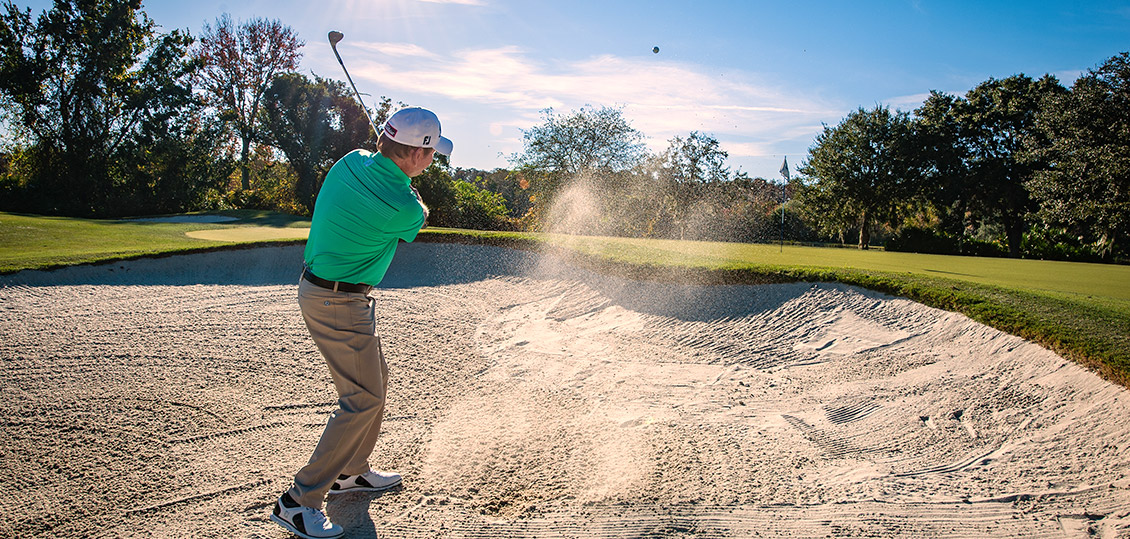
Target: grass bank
[[1081, 311]]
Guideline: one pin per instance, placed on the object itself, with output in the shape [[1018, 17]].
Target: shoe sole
[[290, 528], [366, 489]]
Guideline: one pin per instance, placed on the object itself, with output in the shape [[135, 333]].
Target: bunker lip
[[531, 397]]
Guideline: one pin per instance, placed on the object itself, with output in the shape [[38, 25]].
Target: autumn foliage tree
[[240, 62]]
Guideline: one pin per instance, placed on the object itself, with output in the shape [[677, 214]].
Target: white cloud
[[906, 103], [1068, 77], [397, 49], [749, 115], [748, 149], [460, 2], [686, 96]]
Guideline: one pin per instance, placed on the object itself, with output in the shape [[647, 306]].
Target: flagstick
[[784, 194]]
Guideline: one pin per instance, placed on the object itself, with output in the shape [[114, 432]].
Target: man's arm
[[422, 205]]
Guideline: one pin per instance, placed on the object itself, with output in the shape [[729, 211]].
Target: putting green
[[250, 233]]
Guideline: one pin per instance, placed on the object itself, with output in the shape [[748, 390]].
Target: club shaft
[[355, 92]]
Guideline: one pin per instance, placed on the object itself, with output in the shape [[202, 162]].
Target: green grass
[[1081, 311], [38, 242]]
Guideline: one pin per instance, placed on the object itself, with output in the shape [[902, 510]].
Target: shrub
[[478, 208], [1048, 243], [912, 239]]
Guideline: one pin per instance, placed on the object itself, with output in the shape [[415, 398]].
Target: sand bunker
[[176, 397]]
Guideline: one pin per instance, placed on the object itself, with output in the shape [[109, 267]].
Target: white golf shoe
[[305, 522], [370, 481]]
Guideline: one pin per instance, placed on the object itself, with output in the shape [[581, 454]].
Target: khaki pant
[[343, 326]]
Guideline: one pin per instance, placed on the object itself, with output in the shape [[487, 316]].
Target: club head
[[335, 36]]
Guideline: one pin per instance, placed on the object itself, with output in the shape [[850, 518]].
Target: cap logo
[[427, 139], [390, 130]]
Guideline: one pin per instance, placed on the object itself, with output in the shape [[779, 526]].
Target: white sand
[[175, 397]]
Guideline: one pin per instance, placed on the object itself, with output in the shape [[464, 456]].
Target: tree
[[95, 95], [998, 120], [863, 170], [696, 159], [686, 168], [943, 156], [759, 207], [173, 167], [822, 205], [239, 64], [1086, 185], [589, 140], [586, 151], [980, 152], [314, 123]]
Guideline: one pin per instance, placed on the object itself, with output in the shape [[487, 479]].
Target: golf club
[[335, 37]]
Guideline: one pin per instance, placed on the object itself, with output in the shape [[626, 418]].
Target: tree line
[[107, 117], [1017, 167], [104, 116]]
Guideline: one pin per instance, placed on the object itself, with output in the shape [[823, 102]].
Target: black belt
[[336, 286]]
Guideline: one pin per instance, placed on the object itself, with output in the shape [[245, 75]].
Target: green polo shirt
[[364, 207]]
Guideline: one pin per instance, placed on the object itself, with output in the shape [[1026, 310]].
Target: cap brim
[[444, 146]]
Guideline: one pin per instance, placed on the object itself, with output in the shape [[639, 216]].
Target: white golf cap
[[418, 128]]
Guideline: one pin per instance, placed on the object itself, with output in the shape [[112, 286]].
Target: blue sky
[[761, 77]]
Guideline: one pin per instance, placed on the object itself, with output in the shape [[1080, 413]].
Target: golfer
[[365, 207]]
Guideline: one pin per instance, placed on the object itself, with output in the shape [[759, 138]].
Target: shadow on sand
[[351, 511]]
